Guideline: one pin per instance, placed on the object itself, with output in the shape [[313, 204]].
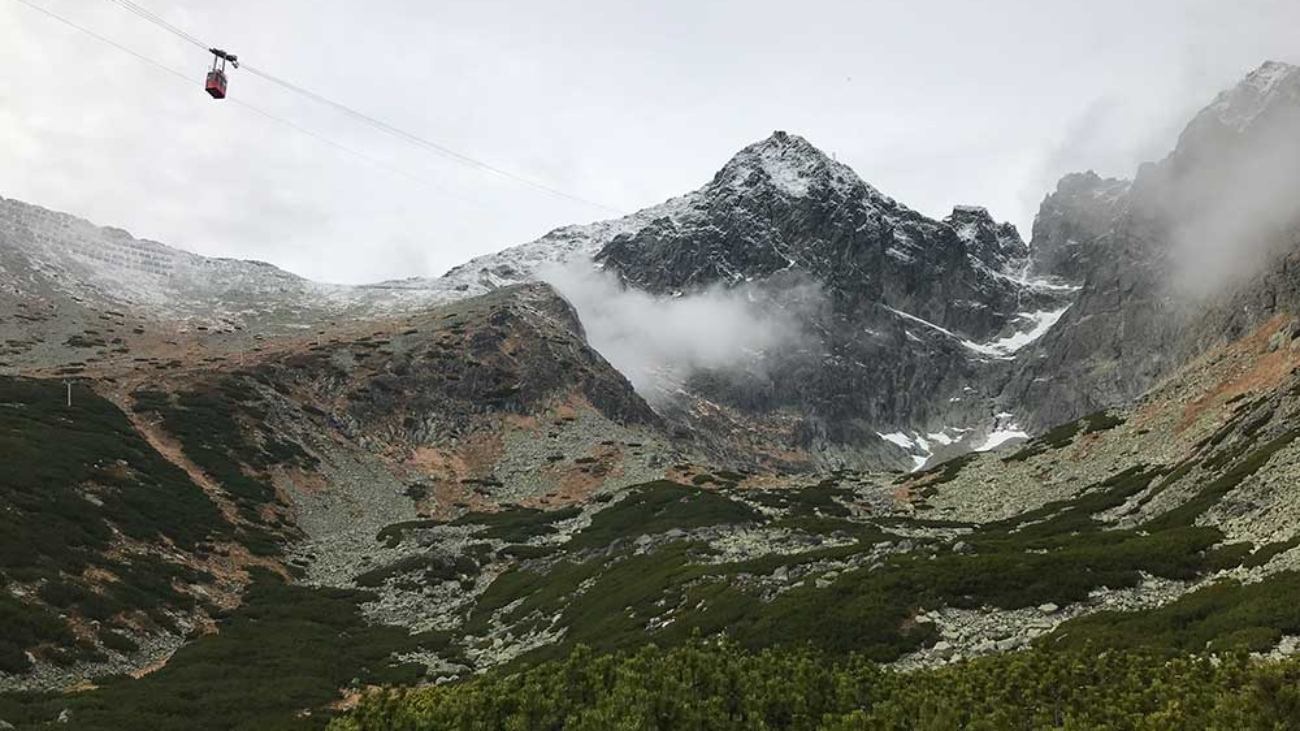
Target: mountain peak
[[1273, 84], [790, 164], [995, 244], [969, 212], [788, 143], [1270, 71]]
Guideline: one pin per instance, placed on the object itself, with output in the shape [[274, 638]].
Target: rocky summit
[[955, 463]]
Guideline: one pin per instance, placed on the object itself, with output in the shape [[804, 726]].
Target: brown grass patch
[[1248, 367], [440, 464], [579, 481], [1085, 445], [453, 499]]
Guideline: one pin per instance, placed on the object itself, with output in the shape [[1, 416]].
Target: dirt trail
[[152, 667], [171, 450]]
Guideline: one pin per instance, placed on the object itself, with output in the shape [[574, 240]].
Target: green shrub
[[1227, 614], [660, 506], [719, 687], [517, 524], [207, 422], [73, 477], [433, 569], [286, 651], [119, 642]]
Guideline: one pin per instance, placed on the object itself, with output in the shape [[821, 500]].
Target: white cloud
[[658, 342]]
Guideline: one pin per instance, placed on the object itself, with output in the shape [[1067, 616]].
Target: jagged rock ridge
[[1196, 251]]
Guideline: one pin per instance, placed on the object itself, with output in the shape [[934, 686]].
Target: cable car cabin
[[216, 85]]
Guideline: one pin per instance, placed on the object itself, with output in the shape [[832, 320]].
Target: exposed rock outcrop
[[1200, 251]]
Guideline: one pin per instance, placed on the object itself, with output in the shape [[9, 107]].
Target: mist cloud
[[657, 342], [1238, 208]]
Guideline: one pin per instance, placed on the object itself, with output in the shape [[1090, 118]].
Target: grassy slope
[[286, 651], [60, 515]]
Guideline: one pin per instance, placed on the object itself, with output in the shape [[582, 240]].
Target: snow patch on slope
[[1002, 436], [920, 446], [898, 438], [1005, 429], [1002, 348], [1005, 348]]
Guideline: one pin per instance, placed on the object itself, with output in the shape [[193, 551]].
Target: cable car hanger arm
[[232, 58]]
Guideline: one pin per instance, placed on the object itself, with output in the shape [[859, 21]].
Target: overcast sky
[[935, 102]]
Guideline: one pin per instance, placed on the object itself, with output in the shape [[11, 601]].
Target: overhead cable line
[[364, 118], [256, 110], [428, 144], [159, 21]]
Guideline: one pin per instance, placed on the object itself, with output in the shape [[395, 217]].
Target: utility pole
[[69, 385]]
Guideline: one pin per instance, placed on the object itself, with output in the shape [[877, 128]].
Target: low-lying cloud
[[1238, 208], [657, 342]]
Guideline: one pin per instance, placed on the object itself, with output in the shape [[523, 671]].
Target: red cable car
[[217, 82]]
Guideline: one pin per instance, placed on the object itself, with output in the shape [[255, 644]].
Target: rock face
[[1195, 252], [54, 260], [1156, 283], [514, 352], [1071, 220], [910, 327], [781, 205]]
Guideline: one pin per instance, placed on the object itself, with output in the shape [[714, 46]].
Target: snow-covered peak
[[785, 163], [57, 256], [522, 263], [1272, 84], [792, 165]]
